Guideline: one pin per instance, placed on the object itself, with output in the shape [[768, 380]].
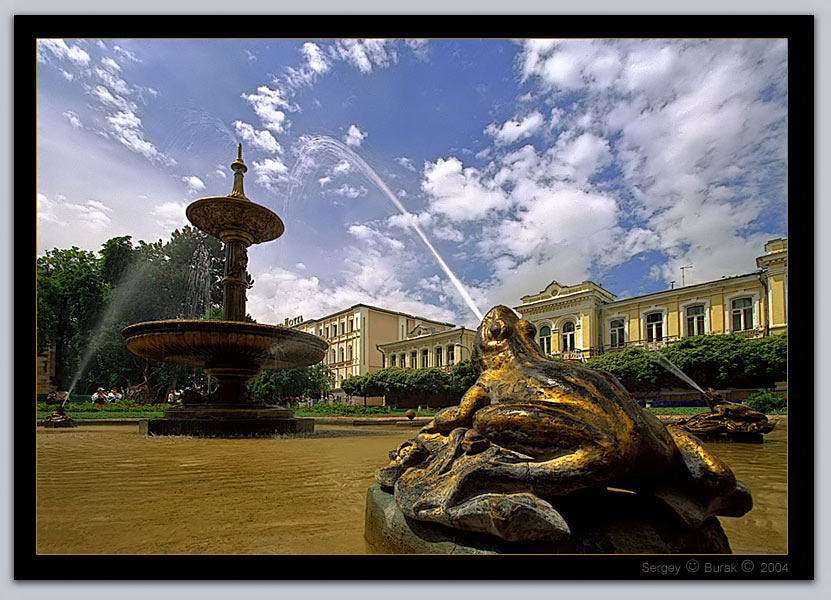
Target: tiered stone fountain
[[231, 350]]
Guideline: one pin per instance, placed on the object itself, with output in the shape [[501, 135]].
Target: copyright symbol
[[748, 566], [692, 566]]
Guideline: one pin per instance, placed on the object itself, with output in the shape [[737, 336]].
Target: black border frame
[[798, 29]]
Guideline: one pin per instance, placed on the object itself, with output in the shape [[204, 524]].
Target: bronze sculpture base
[[608, 522], [228, 427]]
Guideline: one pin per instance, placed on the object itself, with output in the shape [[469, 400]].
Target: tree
[[303, 381], [716, 361], [70, 296]]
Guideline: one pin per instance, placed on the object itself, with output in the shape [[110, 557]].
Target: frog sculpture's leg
[[570, 450]]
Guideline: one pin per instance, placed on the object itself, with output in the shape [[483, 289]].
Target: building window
[[351, 325], [568, 336], [654, 327], [545, 339], [438, 357], [695, 320], [742, 314], [343, 328], [327, 332], [413, 359], [334, 356], [451, 359], [341, 355], [402, 363], [349, 352], [616, 333], [392, 360], [425, 357]]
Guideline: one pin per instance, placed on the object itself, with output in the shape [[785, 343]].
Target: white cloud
[[354, 136], [260, 139], [62, 51], [314, 58], [420, 48], [270, 172], [366, 55], [460, 194], [194, 184], [171, 215], [126, 54], [315, 64], [270, 106], [513, 130], [342, 168], [46, 210], [695, 147], [406, 163], [128, 130], [73, 119], [349, 191]]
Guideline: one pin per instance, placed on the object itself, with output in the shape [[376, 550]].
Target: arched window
[[545, 339], [413, 359], [742, 314], [695, 320], [568, 336], [437, 362], [403, 360], [616, 332], [392, 360], [342, 358], [425, 357], [349, 352], [334, 356]]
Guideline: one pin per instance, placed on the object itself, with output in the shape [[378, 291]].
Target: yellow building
[[584, 320], [426, 347], [355, 333]]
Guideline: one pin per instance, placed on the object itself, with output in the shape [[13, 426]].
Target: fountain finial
[[239, 168]]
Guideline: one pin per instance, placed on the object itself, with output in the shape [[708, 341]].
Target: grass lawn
[[125, 411]]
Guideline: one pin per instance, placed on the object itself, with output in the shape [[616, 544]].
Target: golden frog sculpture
[[531, 431]]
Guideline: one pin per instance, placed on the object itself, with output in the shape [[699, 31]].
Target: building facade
[[355, 334], [584, 320], [425, 347]]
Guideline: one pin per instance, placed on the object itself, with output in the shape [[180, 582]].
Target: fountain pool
[[129, 494]]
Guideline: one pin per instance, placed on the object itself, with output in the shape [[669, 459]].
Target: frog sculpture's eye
[[499, 330]]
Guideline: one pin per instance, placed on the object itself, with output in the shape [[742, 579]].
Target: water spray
[[665, 363], [340, 150]]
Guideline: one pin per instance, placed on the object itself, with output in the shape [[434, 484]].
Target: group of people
[[102, 396]]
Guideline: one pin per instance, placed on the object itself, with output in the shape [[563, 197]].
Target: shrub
[[768, 402]]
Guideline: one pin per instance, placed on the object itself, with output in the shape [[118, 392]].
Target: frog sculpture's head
[[503, 336]]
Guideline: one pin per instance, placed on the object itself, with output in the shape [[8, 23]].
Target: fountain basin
[[221, 216], [233, 352], [224, 347]]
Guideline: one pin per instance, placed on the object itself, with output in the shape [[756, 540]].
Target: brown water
[[109, 490]]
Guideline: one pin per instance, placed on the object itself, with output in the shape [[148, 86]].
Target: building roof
[[385, 310], [447, 332], [686, 287]]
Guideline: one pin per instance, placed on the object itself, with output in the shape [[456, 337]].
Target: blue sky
[[522, 161]]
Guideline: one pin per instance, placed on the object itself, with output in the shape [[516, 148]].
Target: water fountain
[[726, 421], [230, 350]]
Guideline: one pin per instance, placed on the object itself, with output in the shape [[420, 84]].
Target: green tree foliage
[[310, 382], [84, 301], [70, 296], [716, 361], [423, 386]]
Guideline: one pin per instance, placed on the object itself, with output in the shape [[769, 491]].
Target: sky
[[519, 161]]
